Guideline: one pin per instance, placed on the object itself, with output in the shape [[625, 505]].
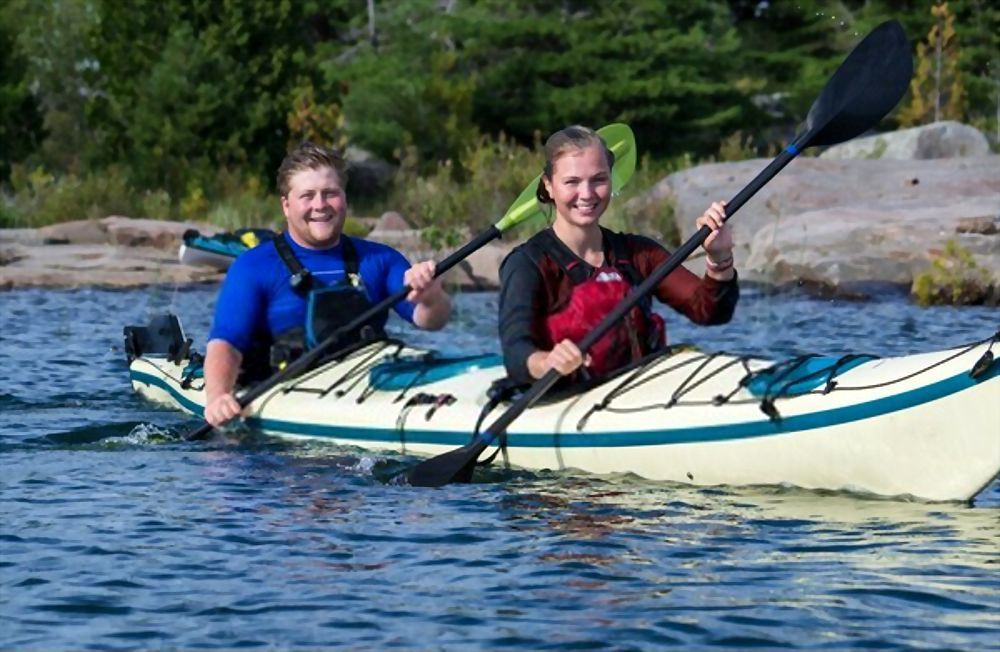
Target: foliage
[[954, 278], [936, 91], [633, 210], [40, 198], [57, 65], [20, 117], [496, 171], [977, 23], [740, 146], [184, 102], [407, 90], [664, 67], [315, 121], [188, 86]]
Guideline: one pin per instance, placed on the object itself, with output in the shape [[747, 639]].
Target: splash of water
[[143, 433]]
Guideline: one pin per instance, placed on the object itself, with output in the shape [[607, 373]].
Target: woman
[[559, 284]]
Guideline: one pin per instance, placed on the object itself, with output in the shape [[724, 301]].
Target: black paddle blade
[[453, 466], [869, 83]]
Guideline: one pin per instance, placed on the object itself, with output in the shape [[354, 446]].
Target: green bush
[[648, 217], [40, 198], [8, 217], [954, 278], [497, 172]]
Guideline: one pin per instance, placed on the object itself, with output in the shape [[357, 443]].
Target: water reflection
[[112, 535]]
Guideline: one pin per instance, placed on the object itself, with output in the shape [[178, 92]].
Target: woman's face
[[580, 185]]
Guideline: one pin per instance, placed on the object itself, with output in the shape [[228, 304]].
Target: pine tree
[[936, 91]]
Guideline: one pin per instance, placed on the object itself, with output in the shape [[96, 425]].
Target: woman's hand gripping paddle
[[525, 209], [866, 86]]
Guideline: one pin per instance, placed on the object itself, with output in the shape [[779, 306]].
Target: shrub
[[497, 171], [955, 278], [41, 198]]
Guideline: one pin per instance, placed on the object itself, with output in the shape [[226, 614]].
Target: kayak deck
[[916, 425]]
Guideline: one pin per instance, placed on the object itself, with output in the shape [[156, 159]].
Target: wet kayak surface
[[117, 535]]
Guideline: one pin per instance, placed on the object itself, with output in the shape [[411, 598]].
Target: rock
[[844, 224], [10, 254], [75, 232], [481, 270], [937, 140], [116, 252], [983, 225], [22, 236], [102, 265], [408, 241], [366, 174], [132, 232], [117, 230], [392, 221], [853, 246]]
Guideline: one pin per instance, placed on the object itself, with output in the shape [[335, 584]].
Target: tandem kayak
[[221, 249], [925, 425]]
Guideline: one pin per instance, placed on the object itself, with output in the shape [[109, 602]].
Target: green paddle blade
[[621, 141], [525, 208]]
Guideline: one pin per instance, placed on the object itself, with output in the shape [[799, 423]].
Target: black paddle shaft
[[311, 357], [866, 86], [636, 295]]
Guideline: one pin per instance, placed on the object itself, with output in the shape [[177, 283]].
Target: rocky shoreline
[[835, 224]]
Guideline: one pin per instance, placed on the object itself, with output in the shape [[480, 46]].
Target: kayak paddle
[[866, 86], [525, 208]]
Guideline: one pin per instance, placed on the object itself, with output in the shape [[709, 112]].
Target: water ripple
[[116, 534]]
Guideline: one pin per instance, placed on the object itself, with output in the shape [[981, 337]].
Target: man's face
[[315, 208]]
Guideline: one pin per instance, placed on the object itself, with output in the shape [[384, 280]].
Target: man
[[298, 288]]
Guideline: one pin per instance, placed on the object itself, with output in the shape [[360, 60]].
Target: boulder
[[937, 140], [160, 234], [367, 174], [75, 232], [392, 221], [850, 247], [117, 230], [102, 265], [481, 270], [21, 236], [838, 223]]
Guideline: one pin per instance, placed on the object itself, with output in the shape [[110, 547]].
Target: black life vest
[[328, 307]]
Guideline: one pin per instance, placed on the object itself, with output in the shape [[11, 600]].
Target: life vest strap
[[545, 243], [301, 278]]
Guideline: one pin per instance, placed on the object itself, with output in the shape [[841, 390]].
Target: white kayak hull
[[198, 257], [917, 425]]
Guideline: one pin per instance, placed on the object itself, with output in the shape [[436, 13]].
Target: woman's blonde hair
[[559, 143]]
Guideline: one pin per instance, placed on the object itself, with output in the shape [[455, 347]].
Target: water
[[115, 535]]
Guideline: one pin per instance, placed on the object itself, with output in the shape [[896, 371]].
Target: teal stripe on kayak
[[184, 401], [762, 428]]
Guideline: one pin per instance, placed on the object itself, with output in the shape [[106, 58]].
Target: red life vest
[[595, 293]]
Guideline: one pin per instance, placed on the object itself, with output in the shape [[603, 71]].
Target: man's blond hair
[[309, 156]]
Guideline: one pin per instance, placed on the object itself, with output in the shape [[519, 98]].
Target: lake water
[[115, 535]]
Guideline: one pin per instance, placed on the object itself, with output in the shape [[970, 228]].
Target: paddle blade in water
[[454, 466], [869, 83]]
